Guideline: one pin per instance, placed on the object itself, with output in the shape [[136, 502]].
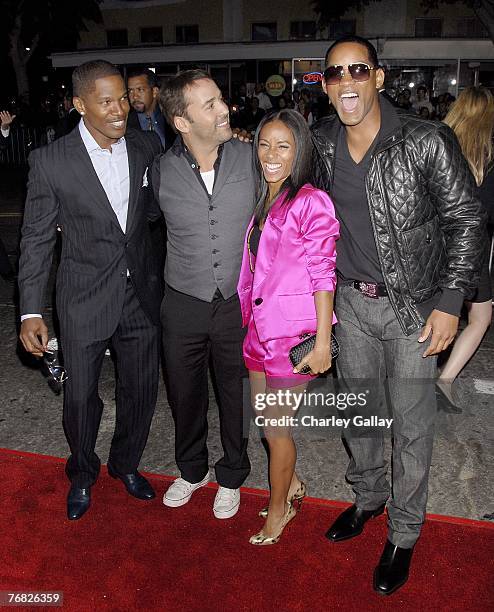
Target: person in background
[[444, 102], [145, 114], [295, 99], [401, 101], [253, 115], [287, 97], [289, 259], [6, 120], [71, 118], [263, 98], [472, 120], [407, 94], [424, 113], [241, 99], [306, 97], [304, 110], [143, 89], [421, 100]]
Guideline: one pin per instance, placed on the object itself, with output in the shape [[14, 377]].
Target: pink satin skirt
[[271, 357]]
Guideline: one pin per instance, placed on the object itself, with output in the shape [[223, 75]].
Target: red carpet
[[126, 555]]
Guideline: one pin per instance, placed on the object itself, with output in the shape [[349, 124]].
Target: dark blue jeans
[[375, 349]]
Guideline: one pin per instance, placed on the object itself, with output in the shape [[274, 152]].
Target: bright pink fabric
[[296, 257], [271, 357]]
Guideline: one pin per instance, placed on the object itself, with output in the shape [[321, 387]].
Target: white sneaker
[[180, 491], [226, 503]]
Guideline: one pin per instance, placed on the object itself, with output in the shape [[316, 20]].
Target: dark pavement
[[462, 477]]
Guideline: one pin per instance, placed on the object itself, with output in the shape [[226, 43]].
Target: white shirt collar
[[88, 140]]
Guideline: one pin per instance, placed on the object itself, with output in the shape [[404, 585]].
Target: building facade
[[248, 40]]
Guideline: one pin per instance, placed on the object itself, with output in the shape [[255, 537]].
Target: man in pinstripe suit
[[93, 185]]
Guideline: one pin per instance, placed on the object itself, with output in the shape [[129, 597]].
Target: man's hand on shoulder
[[242, 135], [34, 336], [443, 327]]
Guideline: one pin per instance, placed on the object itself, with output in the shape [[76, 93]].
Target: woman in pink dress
[[286, 287]]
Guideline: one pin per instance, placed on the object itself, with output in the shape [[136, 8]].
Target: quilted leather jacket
[[427, 223]]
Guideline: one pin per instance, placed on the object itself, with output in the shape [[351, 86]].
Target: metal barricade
[[22, 140]]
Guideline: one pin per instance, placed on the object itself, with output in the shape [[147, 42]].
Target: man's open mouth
[[349, 101]]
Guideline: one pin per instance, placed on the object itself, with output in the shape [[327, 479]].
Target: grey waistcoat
[[205, 235]]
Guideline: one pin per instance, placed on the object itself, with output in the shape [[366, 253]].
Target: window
[[471, 28], [187, 34], [341, 27], [428, 28], [116, 38], [152, 36], [302, 29], [264, 31]]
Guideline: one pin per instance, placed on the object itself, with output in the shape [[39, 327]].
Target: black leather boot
[[351, 523], [392, 571]]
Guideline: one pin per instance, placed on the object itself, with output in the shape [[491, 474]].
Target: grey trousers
[[374, 349]]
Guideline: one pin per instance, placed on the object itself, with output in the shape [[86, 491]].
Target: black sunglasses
[[55, 373], [359, 72]]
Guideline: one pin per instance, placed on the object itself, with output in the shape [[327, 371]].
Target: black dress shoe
[[135, 484], [392, 571], [78, 501], [351, 523]]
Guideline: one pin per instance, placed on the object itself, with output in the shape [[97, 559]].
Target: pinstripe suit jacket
[[64, 191]]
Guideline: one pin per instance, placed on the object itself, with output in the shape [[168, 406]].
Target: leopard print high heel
[[259, 539], [296, 499]]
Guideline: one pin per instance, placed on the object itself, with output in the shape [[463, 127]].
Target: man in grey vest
[[205, 188]]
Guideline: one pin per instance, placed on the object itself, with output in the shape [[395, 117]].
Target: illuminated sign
[[311, 78], [275, 85]]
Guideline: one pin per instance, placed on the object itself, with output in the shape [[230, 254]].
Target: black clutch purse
[[299, 351]]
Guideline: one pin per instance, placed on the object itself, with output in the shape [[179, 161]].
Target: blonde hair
[[472, 119]]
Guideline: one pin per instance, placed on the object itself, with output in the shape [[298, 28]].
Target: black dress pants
[[136, 346], [193, 332]]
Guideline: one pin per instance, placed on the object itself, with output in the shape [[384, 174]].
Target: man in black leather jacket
[[409, 253]]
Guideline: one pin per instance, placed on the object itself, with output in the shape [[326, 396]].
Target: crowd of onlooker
[[247, 111], [434, 107]]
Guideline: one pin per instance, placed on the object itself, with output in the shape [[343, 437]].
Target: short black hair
[[173, 102], [85, 75], [301, 167], [137, 71], [353, 38]]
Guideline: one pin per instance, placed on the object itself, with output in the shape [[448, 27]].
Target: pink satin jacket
[[296, 257]]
